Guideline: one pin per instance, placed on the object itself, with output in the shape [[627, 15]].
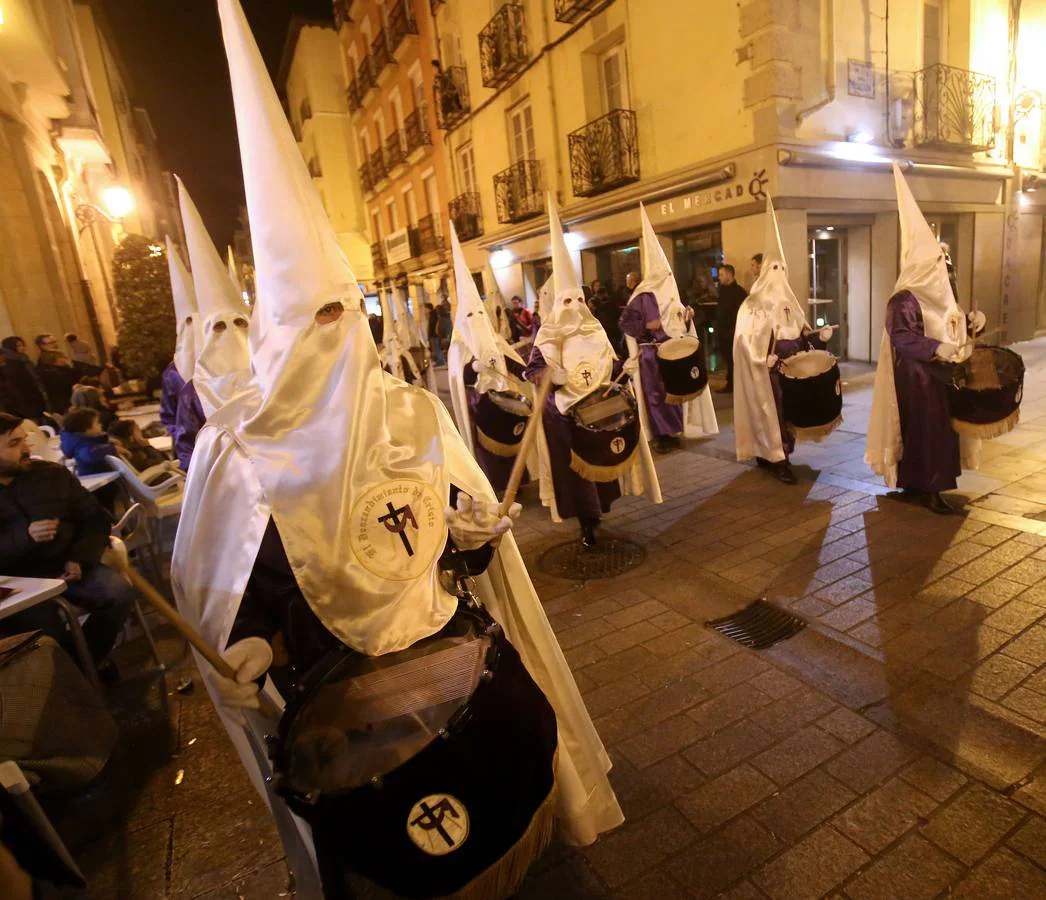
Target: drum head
[[610, 413], [807, 364], [679, 348], [511, 402]]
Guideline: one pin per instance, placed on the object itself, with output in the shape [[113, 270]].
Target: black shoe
[[783, 473], [108, 674], [664, 443], [763, 463], [907, 495], [936, 503], [588, 533]]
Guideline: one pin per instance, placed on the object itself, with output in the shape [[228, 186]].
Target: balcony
[[381, 58], [503, 46], [954, 109], [419, 138], [403, 29], [518, 193], [571, 11], [366, 81], [430, 240], [341, 13], [366, 182], [604, 154], [378, 173], [352, 97], [377, 256], [395, 153], [467, 215], [315, 169], [451, 91]]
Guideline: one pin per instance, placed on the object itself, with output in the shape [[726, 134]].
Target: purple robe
[[930, 460], [576, 497], [664, 418], [496, 468], [172, 384], [188, 422]]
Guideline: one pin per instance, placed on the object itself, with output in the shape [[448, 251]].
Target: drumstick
[[267, 706], [529, 436], [621, 375]]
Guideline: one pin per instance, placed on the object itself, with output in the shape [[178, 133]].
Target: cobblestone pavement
[[895, 748]]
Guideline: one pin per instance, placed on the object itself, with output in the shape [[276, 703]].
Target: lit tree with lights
[[143, 297]]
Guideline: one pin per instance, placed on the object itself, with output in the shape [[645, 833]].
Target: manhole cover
[[611, 556], [758, 626]]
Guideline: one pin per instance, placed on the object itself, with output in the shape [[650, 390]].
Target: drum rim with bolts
[[629, 433]]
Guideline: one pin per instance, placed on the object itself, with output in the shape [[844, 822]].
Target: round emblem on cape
[[438, 824], [695, 373], [617, 446], [584, 377], [398, 529], [519, 429]]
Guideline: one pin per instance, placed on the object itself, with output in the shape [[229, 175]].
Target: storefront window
[[612, 264], [698, 255]]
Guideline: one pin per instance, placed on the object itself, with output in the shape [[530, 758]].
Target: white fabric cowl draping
[[327, 445], [924, 273], [187, 334]]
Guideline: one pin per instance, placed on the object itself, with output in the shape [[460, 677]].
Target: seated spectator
[[80, 351], [87, 397], [51, 527], [141, 454], [84, 442]]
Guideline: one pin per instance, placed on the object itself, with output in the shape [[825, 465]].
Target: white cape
[[757, 430]]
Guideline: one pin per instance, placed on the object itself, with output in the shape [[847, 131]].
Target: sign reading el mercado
[[733, 194]]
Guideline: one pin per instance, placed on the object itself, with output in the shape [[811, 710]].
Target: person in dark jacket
[[731, 296], [25, 385], [140, 453], [51, 527], [58, 377], [606, 310], [84, 442]]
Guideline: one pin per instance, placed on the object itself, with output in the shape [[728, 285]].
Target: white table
[[28, 592], [163, 443], [142, 415], [93, 482]]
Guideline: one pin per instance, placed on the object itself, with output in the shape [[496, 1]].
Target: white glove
[[946, 351], [250, 659], [825, 334], [559, 374], [977, 321], [477, 522], [476, 365], [771, 360], [631, 365], [964, 352]]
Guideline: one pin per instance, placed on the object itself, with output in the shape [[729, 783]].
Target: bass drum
[[682, 367], [501, 419], [604, 433], [984, 392], [430, 771], [812, 392]]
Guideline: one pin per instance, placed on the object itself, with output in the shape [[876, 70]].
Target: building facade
[[702, 110], [69, 134]]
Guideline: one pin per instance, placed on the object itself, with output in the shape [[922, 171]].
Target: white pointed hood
[[659, 280], [570, 336], [185, 313], [772, 289], [924, 271], [222, 360]]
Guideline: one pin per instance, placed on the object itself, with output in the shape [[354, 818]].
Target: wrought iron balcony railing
[[430, 239], [435, 4], [352, 96], [315, 169], [378, 172], [503, 46], [395, 153], [377, 256], [518, 192], [366, 78], [466, 213], [451, 91], [417, 130], [573, 10], [304, 110], [604, 154], [401, 24], [380, 55], [954, 108], [366, 182], [341, 14]]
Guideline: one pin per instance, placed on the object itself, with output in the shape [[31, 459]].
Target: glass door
[[827, 301]]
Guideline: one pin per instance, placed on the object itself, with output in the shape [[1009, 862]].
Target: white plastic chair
[[117, 557], [159, 502]]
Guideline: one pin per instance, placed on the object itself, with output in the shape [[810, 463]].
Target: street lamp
[[118, 201]]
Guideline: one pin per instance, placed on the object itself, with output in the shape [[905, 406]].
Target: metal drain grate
[[611, 556], [758, 626]]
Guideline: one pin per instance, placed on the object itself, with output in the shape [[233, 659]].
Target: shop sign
[[732, 194], [397, 247]]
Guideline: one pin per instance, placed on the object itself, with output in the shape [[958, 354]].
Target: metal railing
[[395, 154], [503, 46], [416, 127], [366, 182], [571, 11], [341, 13], [466, 212], [954, 108], [401, 24], [518, 192], [377, 255], [604, 154], [366, 78], [352, 96], [451, 91], [430, 239], [380, 55], [378, 172]]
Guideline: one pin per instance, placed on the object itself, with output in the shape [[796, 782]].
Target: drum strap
[[418, 683]]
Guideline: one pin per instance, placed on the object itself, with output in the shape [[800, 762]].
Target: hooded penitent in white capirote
[[395, 355], [185, 313], [493, 302], [770, 311], [473, 341], [321, 435], [222, 361], [699, 418], [410, 336], [924, 273]]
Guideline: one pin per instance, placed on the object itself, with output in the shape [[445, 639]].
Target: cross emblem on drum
[[438, 824], [397, 525]]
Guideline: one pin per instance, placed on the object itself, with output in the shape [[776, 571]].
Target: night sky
[[175, 61]]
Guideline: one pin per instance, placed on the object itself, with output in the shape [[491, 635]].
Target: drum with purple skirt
[[501, 419], [812, 393], [605, 433], [682, 368], [984, 392]]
